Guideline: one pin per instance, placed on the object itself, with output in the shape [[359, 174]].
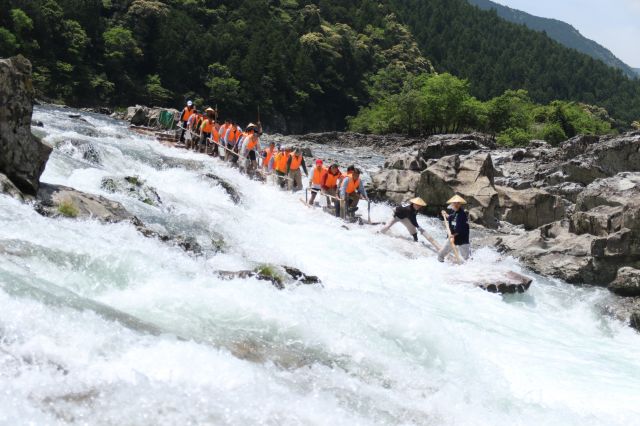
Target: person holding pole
[[206, 130], [406, 215], [457, 226], [294, 163], [330, 180], [351, 189], [315, 180], [187, 112], [251, 146]]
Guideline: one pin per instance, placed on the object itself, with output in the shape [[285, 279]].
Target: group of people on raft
[[207, 135]]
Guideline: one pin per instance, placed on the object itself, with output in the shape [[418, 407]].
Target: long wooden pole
[[455, 249]]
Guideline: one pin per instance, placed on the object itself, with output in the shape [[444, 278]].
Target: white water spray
[[101, 325]]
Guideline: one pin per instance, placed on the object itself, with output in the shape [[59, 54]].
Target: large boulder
[[22, 156], [609, 206], [471, 176], [553, 251], [395, 185], [627, 282], [7, 187], [58, 200], [531, 208]]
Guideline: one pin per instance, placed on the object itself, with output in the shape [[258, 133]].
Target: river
[[101, 325]]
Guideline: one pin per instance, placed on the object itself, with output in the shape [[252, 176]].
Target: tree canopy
[[307, 64]]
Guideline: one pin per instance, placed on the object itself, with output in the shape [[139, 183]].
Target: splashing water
[[100, 325]]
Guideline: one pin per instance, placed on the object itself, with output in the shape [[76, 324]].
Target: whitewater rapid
[[101, 325]]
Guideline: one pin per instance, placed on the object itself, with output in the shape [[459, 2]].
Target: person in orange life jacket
[[315, 180], [280, 165], [190, 126], [330, 182], [196, 131], [294, 163], [232, 137], [351, 189], [406, 215], [251, 147], [215, 139], [206, 128], [187, 112], [267, 155]]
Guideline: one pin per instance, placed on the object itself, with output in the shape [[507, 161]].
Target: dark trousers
[[184, 127]]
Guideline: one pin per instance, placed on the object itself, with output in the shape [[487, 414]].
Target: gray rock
[[278, 276], [22, 156], [582, 170], [577, 146], [132, 186], [234, 194], [566, 190], [625, 309], [406, 161], [531, 208], [512, 283], [58, 200], [471, 176], [553, 251], [7, 187], [627, 282], [395, 185]]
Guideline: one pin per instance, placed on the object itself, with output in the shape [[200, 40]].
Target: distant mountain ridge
[[561, 32]]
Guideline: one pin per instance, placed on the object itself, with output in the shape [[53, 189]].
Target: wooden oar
[[455, 249], [431, 240]]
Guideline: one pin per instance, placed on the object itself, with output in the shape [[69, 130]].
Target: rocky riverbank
[[571, 211]]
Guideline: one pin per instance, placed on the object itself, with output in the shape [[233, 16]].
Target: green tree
[[8, 43]]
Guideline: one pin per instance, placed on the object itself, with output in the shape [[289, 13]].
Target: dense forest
[[306, 65], [560, 31], [441, 103]]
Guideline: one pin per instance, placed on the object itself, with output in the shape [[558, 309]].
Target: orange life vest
[[281, 162], [296, 161], [216, 133], [253, 141], [231, 134], [207, 126], [186, 113], [353, 185], [332, 180], [269, 152], [316, 179]]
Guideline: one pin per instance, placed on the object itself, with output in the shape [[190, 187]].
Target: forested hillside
[[303, 65], [560, 31], [306, 64], [496, 55]]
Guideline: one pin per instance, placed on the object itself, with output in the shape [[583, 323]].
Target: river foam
[[100, 325]]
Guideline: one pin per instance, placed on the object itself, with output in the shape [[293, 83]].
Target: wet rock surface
[[575, 207], [132, 186], [234, 194], [278, 276], [22, 155]]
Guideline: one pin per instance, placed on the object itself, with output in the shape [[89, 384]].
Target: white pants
[[464, 250], [406, 222]]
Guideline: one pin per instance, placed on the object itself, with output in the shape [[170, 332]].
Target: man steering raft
[[459, 227], [406, 215]]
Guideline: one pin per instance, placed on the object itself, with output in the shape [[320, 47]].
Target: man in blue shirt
[[459, 226]]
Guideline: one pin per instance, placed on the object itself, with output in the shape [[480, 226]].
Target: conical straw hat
[[456, 199], [418, 201]]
